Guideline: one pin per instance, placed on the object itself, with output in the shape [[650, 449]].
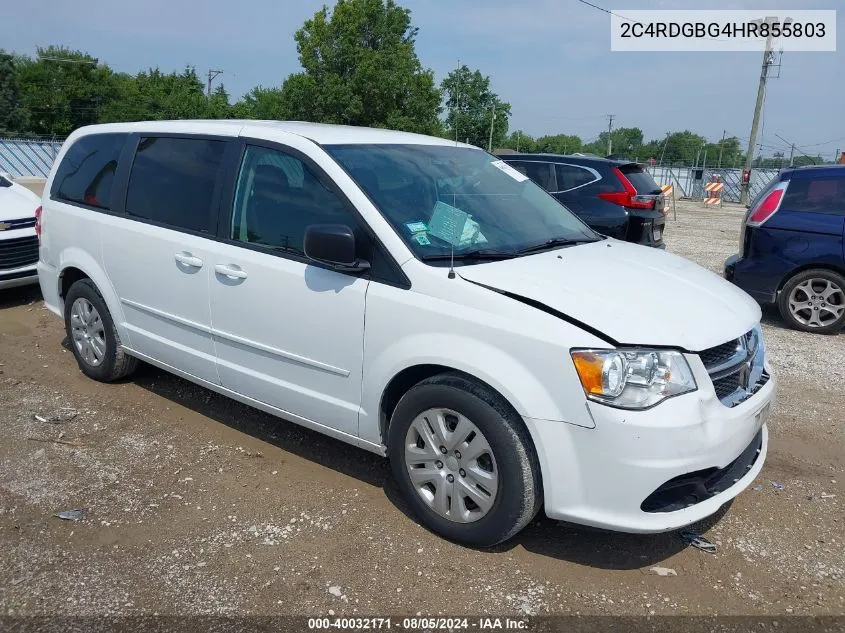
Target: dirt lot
[[194, 504]]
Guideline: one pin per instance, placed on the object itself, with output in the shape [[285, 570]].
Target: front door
[[288, 333]]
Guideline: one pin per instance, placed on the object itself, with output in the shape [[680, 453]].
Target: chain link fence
[[689, 181]]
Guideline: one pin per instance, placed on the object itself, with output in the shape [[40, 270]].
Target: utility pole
[[768, 60], [518, 138], [492, 120], [457, 107], [609, 130], [836, 156], [663, 151], [721, 143], [791, 154], [212, 75]]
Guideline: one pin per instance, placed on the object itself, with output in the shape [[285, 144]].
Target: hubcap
[[451, 465], [817, 302], [88, 332]]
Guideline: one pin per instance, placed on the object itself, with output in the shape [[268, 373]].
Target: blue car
[[792, 248]]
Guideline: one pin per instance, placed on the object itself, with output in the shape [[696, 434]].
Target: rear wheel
[[93, 337], [814, 301], [464, 461]]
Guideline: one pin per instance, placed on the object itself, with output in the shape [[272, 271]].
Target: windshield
[[442, 199]]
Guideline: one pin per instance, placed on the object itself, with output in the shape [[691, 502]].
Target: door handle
[[228, 271], [188, 260]]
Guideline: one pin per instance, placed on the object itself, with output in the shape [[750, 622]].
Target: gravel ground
[[194, 504]]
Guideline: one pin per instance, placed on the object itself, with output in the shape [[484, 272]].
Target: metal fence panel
[[689, 181], [28, 157]]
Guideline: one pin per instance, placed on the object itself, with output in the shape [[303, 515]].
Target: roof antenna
[[452, 243]]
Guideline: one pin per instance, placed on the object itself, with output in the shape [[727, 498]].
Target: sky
[[550, 59]]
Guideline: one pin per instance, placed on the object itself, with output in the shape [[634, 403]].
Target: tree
[[625, 141], [472, 107], [261, 103], [558, 144], [218, 105], [519, 141], [62, 90], [11, 109], [360, 67]]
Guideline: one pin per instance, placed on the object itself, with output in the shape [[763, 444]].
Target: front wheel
[[814, 301], [464, 461]]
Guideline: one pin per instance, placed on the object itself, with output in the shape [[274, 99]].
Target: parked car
[[419, 299], [791, 249], [18, 240], [616, 198]]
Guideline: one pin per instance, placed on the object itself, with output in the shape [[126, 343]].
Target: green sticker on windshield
[[422, 239], [416, 227]]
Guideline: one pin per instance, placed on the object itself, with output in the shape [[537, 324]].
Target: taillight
[[628, 197], [38, 212], [767, 207]]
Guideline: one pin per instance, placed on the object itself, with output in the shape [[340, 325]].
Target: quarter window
[[277, 198], [87, 170], [172, 182], [571, 176]]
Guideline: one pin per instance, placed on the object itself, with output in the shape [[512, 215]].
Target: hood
[[632, 295], [17, 202]]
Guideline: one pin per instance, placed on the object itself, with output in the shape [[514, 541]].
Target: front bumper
[[23, 276], [603, 476]]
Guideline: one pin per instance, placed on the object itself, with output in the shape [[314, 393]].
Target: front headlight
[[632, 378]]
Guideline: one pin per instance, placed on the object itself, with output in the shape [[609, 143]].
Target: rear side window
[[640, 178], [541, 173], [817, 195], [571, 176], [172, 182], [86, 172]]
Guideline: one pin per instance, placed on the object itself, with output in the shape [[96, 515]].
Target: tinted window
[[277, 198], [571, 176], [86, 172], [541, 173], [641, 179], [172, 182], [819, 195]]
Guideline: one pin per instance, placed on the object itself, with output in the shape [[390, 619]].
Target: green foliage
[[360, 68], [471, 108], [60, 96], [519, 141], [558, 144], [11, 110]]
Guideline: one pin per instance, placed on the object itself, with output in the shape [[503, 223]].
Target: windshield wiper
[[552, 243], [473, 255]]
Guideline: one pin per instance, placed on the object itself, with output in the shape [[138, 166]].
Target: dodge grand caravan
[[419, 299]]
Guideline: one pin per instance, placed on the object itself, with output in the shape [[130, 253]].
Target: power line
[[608, 11]]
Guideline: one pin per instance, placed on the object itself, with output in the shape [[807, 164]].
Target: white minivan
[[417, 298]]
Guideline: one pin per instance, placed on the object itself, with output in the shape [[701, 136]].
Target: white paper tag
[[510, 171]]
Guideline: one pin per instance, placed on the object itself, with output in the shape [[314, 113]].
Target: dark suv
[[791, 248], [616, 198]]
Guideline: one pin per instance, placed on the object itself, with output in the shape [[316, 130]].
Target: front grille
[[736, 368], [726, 385], [14, 225], [715, 356], [21, 251]]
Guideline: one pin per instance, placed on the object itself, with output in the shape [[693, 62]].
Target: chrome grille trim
[[736, 368]]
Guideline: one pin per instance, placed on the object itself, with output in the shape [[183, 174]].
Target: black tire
[[116, 363], [519, 495], [820, 274]]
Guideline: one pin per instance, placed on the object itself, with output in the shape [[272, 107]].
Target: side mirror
[[333, 244]]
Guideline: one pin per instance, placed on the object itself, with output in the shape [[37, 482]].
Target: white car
[[419, 299], [18, 240]]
